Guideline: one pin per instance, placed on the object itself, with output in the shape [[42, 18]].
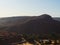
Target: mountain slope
[[40, 25]]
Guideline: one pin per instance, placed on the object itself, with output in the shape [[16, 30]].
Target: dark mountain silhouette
[[45, 16], [10, 21], [13, 20], [38, 25], [43, 24]]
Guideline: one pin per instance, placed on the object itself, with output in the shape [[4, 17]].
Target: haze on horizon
[[29, 8]]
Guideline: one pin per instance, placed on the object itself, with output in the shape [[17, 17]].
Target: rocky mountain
[[38, 24], [8, 21], [42, 24]]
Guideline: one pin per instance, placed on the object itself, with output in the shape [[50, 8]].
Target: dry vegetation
[[14, 38]]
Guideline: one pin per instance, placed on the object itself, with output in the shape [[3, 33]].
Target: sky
[[10, 8]]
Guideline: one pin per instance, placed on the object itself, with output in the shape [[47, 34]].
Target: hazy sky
[[29, 7]]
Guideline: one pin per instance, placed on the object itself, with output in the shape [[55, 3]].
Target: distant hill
[[12, 20], [41, 24], [9, 21], [57, 18], [36, 24]]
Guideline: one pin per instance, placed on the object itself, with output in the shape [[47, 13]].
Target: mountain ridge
[[37, 24]]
